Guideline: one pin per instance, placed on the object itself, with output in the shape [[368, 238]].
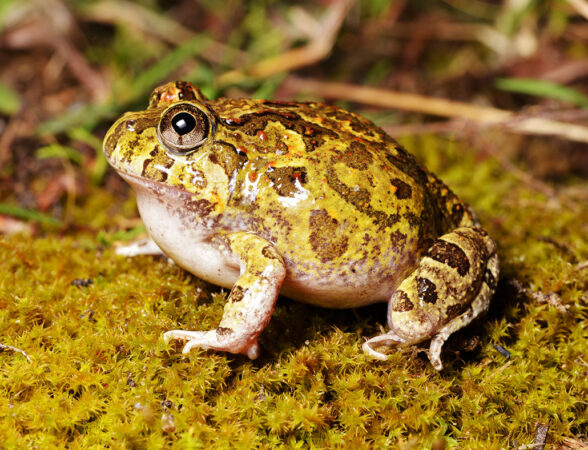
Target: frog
[[304, 200]]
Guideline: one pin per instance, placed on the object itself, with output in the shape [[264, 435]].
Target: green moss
[[100, 373]]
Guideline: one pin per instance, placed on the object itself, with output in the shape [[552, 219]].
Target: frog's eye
[[183, 128]]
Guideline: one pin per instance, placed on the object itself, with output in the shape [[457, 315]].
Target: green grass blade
[[541, 88], [88, 116], [9, 100], [27, 214], [154, 75], [60, 152], [100, 165]]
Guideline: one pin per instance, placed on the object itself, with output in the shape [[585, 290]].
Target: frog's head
[[163, 143]]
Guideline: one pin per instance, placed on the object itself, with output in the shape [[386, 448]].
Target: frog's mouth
[[142, 184]]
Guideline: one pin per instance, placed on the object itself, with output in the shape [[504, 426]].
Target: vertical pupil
[[183, 123]]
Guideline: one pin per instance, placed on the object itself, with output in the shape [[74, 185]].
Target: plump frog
[[306, 200]]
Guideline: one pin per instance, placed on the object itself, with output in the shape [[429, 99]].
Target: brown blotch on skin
[[450, 254], [173, 92], [284, 179], [481, 231], [360, 198], [476, 242], [326, 240], [362, 127], [145, 167], [148, 119], [133, 143], [280, 104], [405, 162], [114, 137], [490, 280], [457, 212], [401, 302], [150, 172], [403, 190], [397, 239], [151, 169], [186, 91], [164, 159], [269, 253], [453, 311], [312, 134], [155, 98], [357, 123], [223, 331], [227, 156], [413, 220], [201, 207], [427, 291], [356, 156], [237, 294], [196, 178]]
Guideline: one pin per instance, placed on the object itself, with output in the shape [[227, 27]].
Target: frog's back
[[347, 207]]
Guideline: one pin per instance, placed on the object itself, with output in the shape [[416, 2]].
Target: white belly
[[178, 235]]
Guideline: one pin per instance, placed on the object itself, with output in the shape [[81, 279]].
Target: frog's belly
[[191, 248]]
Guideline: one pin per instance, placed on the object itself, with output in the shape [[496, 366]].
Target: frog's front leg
[[451, 286], [251, 302]]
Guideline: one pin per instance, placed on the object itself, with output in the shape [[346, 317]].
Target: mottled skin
[[304, 199]]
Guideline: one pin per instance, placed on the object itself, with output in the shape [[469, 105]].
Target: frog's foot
[[251, 302], [383, 340], [221, 339], [451, 286]]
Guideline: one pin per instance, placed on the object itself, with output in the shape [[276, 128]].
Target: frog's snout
[[123, 133], [113, 136]]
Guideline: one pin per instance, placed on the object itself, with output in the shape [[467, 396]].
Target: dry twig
[[581, 6], [481, 115], [319, 47], [14, 349]]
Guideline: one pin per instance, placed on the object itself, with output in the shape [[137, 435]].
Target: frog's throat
[[196, 211]]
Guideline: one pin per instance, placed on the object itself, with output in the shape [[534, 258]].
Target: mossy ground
[[99, 373]]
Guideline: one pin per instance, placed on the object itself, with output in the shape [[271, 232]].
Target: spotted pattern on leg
[[251, 302]]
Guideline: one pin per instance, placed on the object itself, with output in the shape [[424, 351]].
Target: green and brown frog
[[306, 200]]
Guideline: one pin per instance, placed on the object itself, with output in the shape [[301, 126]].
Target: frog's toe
[[194, 338], [181, 334], [222, 339], [387, 340], [197, 341]]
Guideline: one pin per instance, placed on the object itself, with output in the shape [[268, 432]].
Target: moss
[[100, 373]]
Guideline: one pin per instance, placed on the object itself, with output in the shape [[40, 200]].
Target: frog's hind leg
[[251, 302], [478, 307], [451, 286]]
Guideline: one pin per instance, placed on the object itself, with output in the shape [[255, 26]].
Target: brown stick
[[482, 115]]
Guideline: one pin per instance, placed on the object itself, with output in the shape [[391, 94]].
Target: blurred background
[[69, 68]]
